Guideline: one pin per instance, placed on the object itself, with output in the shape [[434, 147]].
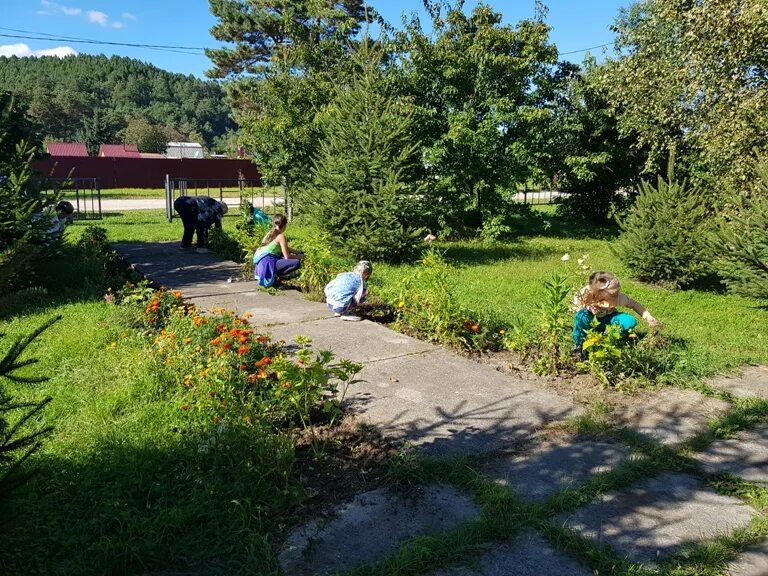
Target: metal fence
[[225, 190], [538, 197], [83, 193]]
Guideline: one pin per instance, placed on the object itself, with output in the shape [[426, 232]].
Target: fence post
[[168, 198]]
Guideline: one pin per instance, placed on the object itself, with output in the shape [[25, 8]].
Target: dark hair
[[279, 221], [65, 206]]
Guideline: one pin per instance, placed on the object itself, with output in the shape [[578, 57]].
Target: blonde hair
[[279, 222], [603, 287]]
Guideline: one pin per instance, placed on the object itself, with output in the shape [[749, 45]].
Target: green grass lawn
[[121, 490], [721, 331]]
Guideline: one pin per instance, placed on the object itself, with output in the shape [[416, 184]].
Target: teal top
[[271, 248]]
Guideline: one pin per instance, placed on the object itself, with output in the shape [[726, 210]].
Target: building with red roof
[[119, 151], [66, 149]]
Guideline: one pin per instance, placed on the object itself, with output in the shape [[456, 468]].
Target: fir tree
[[664, 237], [364, 192], [16, 444], [742, 242]]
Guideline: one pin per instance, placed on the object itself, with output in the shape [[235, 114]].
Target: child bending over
[[599, 299], [348, 290]]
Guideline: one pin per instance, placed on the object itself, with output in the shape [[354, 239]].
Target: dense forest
[[95, 99]]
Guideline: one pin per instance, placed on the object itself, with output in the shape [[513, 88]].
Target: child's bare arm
[[625, 300]]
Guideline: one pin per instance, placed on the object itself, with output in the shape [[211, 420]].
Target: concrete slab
[[549, 466], [370, 528], [750, 381], [185, 270], [745, 456], [363, 341], [285, 306], [670, 415], [656, 516], [751, 562], [447, 405], [527, 555]]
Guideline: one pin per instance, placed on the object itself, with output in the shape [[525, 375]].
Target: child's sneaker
[[351, 318]]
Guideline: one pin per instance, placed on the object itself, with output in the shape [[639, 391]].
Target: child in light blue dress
[[348, 290]]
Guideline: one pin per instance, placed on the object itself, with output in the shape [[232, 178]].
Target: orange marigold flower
[[185, 407], [261, 339], [242, 367], [198, 320], [252, 378], [227, 345], [266, 361], [286, 384], [221, 328], [216, 341], [474, 327], [262, 374], [242, 350], [176, 294]]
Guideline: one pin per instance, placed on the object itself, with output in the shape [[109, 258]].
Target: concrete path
[[447, 405]]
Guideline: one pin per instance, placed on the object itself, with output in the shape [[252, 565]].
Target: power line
[[168, 48], [53, 38], [585, 49]]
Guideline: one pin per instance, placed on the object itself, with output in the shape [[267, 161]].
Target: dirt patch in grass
[[335, 463]]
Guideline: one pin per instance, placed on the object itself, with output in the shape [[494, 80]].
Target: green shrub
[[664, 237], [547, 344], [625, 361], [426, 306], [741, 242], [319, 266]]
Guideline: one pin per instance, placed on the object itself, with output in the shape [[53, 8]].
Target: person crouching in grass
[[348, 290], [599, 299]]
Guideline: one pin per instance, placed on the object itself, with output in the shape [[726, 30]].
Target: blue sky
[[33, 27]]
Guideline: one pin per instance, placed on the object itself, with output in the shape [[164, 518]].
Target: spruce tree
[[664, 236], [364, 193], [741, 242]]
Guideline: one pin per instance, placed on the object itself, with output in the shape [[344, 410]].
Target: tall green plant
[[664, 237], [741, 242], [364, 195], [16, 444]]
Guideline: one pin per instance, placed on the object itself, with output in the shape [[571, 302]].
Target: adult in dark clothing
[[198, 213]]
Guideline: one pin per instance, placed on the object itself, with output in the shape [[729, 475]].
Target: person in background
[[198, 214], [273, 258], [59, 220], [599, 299], [348, 290]]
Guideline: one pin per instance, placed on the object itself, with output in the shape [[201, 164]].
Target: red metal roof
[[119, 151], [66, 149]]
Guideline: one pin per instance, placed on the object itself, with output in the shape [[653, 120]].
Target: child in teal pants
[[599, 299]]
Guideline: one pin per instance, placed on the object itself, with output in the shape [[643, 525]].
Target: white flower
[[580, 261], [585, 267], [566, 257]]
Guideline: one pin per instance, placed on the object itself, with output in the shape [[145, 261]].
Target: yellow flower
[[400, 304], [502, 332], [112, 344]]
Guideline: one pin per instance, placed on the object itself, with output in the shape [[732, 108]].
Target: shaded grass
[[122, 486]]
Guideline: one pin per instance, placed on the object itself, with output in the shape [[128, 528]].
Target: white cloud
[[23, 51], [128, 16], [52, 8], [97, 17]]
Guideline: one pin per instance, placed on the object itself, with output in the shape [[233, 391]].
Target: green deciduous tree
[[147, 137], [694, 76], [477, 87]]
